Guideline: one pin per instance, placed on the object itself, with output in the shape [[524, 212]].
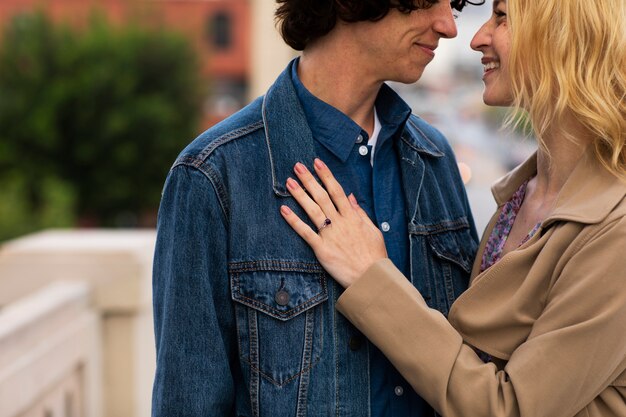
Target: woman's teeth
[[492, 65]]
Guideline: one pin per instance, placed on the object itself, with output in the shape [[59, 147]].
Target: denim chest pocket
[[279, 310], [456, 246], [450, 249]]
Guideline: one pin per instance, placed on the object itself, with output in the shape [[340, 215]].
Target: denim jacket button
[[355, 343], [282, 298]]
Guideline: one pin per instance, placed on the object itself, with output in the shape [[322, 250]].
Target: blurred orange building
[[219, 30]]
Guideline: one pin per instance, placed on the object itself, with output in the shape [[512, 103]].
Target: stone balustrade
[[114, 379], [50, 354]]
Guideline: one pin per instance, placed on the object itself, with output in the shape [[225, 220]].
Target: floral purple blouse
[[500, 233], [497, 239]]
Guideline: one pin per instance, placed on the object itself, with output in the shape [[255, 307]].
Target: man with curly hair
[[245, 316]]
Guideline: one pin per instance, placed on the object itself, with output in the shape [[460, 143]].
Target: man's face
[[399, 46]]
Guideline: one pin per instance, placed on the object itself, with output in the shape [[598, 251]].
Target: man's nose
[[444, 22]]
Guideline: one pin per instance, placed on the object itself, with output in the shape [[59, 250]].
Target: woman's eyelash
[[500, 16]]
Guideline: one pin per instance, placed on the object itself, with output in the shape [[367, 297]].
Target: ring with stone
[[326, 223]]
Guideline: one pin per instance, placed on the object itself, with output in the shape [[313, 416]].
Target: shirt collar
[[336, 131], [588, 195]]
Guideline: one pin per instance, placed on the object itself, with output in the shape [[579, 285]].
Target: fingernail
[[291, 184], [300, 168], [319, 164], [352, 200], [285, 210]]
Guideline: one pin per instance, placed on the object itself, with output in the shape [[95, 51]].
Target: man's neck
[[337, 75]]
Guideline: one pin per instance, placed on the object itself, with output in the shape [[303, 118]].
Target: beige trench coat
[[551, 313]]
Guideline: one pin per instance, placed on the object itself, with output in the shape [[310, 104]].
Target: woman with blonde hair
[[542, 329]]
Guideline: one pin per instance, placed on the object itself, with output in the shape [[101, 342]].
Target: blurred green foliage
[[21, 212], [90, 121], [495, 117]]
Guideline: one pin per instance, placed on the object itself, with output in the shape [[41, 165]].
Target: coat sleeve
[[576, 348], [193, 316]]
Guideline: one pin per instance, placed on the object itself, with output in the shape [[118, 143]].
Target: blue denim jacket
[[245, 317]]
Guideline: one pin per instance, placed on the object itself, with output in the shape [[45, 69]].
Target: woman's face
[[493, 39]]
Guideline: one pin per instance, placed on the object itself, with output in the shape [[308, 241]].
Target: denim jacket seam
[[288, 380], [454, 260], [275, 265], [213, 179], [445, 226], [408, 160], [228, 137], [239, 331]]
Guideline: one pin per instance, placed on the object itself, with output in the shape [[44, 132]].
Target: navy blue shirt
[[342, 145]]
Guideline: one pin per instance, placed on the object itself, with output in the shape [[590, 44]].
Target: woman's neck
[[563, 148]]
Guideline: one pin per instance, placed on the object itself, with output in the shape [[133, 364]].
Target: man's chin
[[410, 78]]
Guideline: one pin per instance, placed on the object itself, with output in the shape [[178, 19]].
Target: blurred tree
[[19, 214], [103, 111]]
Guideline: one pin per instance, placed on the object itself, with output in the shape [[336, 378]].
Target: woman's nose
[[482, 37]]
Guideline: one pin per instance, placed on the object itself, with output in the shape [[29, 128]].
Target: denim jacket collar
[[292, 142], [287, 143], [418, 141]]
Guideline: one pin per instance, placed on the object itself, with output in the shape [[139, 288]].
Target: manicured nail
[[292, 184], [352, 200], [285, 210], [319, 164], [300, 168]]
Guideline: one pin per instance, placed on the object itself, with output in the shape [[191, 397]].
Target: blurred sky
[[451, 51]]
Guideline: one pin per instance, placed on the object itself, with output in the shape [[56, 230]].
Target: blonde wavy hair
[[568, 57]]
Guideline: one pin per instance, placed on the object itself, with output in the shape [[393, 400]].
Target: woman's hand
[[346, 243]]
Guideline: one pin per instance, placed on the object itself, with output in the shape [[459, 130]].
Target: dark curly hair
[[303, 21]]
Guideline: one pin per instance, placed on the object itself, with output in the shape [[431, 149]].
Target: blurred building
[[238, 46]]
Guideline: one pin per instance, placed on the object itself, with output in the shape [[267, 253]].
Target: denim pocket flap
[[457, 246], [281, 289]]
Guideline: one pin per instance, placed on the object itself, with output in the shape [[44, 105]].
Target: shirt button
[[282, 298], [384, 226], [363, 150], [398, 390], [355, 343], [359, 139]]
